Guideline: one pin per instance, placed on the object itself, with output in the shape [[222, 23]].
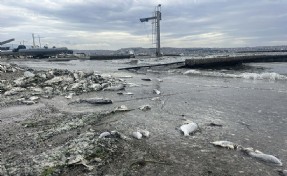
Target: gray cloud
[[98, 24]]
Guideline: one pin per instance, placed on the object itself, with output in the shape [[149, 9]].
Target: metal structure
[[6, 41], [156, 22]]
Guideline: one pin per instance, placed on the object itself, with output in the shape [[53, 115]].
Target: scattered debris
[[146, 79], [270, 159], [155, 91], [145, 107], [214, 124], [225, 144], [156, 99], [247, 125], [188, 128]]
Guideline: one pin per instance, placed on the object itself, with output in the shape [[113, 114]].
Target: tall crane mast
[[156, 18]]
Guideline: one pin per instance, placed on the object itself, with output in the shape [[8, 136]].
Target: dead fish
[[145, 107], [214, 124], [96, 101], [28, 102], [137, 135], [270, 159], [104, 134], [283, 172], [115, 88], [225, 144], [188, 128], [144, 133], [70, 96], [34, 98], [125, 93], [155, 91], [122, 108], [120, 135]]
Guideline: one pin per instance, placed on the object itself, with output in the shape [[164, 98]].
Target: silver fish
[[262, 156], [188, 128], [225, 144]]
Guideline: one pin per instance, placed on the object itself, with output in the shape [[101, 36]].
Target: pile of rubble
[[54, 82]]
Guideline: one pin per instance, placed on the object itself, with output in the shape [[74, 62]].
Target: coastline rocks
[[57, 82]]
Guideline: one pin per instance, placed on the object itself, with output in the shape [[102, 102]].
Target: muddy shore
[[48, 129]]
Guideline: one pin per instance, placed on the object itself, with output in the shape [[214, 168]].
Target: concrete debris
[[6, 68], [225, 144], [145, 107], [155, 91], [56, 82], [189, 128], [269, 159]]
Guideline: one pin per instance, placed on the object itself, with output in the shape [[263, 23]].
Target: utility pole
[[157, 18], [33, 40]]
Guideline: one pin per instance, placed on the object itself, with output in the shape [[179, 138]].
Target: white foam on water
[[253, 76], [263, 76]]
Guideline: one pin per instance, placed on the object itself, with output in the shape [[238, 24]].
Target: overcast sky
[[114, 24]]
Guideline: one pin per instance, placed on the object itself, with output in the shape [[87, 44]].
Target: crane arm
[[147, 19], [6, 41]]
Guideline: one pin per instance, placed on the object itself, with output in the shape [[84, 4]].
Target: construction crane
[[6, 41], [156, 18]]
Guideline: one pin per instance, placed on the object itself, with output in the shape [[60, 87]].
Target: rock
[[54, 80], [29, 74], [270, 159], [14, 91], [189, 128], [145, 107], [137, 135], [225, 144]]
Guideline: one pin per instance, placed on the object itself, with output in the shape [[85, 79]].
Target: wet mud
[[54, 136]]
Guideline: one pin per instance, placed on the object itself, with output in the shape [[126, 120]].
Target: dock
[[233, 60]]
